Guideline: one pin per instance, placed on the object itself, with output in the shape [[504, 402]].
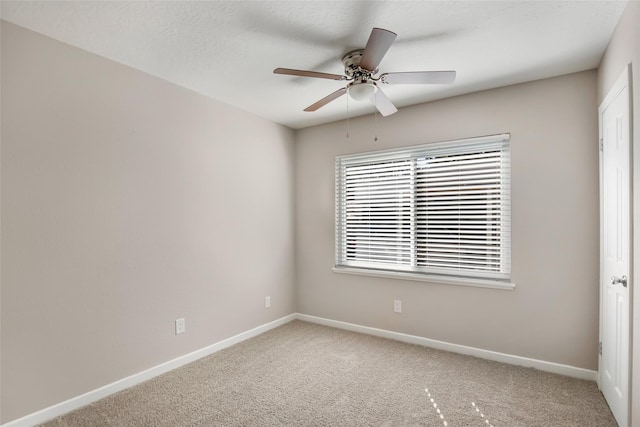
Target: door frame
[[623, 81]]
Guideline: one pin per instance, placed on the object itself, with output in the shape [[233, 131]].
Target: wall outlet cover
[[181, 327], [397, 306]]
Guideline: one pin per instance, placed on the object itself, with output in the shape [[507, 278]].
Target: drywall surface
[[552, 314], [127, 203], [624, 48]]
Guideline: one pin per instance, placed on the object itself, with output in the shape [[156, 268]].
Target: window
[[438, 210]]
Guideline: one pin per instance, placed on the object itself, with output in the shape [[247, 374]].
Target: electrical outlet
[[267, 302], [397, 306], [180, 326]]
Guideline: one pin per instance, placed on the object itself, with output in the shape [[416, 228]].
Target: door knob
[[615, 280]]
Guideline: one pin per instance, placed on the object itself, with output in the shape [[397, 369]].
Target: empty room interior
[[320, 213]]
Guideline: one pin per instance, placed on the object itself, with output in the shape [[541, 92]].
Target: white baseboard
[[556, 368], [102, 392]]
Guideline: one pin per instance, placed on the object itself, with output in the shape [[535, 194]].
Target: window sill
[[458, 281]]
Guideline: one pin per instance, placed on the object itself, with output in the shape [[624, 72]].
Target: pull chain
[[375, 126], [347, 115]]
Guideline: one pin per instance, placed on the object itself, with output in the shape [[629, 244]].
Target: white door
[[615, 277]]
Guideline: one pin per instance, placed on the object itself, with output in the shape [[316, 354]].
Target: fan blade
[[378, 44], [382, 103], [419, 77], [304, 73], [327, 99]]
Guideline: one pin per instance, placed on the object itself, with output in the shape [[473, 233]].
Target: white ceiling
[[228, 49]]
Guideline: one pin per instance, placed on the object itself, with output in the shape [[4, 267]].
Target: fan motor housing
[[352, 68]]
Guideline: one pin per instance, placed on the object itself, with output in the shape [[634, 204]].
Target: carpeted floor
[[303, 374]]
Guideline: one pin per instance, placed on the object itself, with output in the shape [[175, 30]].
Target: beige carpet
[[302, 374]]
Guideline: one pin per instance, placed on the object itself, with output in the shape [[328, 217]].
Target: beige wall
[[128, 202], [552, 314], [624, 48]]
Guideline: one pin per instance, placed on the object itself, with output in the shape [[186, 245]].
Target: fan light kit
[[362, 91], [360, 68]]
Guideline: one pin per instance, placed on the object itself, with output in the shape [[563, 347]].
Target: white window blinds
[[440, 209]]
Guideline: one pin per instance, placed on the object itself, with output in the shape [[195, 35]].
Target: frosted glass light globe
[[362, 91]]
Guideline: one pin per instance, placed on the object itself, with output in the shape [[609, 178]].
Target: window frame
[[413, 271]]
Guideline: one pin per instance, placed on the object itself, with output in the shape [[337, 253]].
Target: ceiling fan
[[360, 68]]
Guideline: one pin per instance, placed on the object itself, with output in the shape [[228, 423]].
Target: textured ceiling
[[228, 49]]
